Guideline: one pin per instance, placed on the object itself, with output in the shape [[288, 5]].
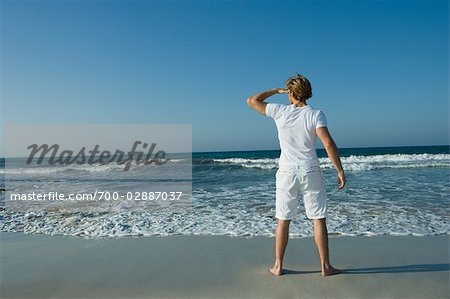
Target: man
[[299, 172]]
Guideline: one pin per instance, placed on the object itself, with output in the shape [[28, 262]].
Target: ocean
[[389, 191]]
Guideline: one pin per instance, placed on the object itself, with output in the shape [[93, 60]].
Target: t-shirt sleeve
[[273, 110], [321, 120]]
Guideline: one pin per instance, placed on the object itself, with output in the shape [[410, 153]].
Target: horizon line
[[268, 150]]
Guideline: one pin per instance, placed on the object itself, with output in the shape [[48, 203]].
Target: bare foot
[[330, 271], [276, 271]]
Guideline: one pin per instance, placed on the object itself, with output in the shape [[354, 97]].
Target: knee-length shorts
[[296, 182]]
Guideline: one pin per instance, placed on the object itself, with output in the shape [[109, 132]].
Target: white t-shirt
[[297, 133]]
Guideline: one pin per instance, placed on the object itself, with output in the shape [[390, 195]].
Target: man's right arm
[[333, 153]]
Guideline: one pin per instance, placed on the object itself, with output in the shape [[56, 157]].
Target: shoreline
[[45, 266], [331, 235]]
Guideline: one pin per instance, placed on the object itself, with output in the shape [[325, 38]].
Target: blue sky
[[379, 69]]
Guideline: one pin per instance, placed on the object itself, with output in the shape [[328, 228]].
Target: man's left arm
[[257, 101]]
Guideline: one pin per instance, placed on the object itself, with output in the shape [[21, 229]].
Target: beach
[[389, 231], [152, 149], [45, 266]]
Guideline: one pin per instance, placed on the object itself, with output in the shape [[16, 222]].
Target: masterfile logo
[[93, 156], [98, 168]]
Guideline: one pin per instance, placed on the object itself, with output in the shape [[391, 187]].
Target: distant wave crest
[[92, 168], [357, 163]]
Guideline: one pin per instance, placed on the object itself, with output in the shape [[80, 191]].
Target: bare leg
[[321, 238], [282, 236]]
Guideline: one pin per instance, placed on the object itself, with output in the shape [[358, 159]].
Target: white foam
[[357, 163], [59, 169], [235, 212]]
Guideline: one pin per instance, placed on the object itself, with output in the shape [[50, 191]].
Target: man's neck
[[300, 104]]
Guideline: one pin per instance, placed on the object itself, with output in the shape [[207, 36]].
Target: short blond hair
[[300, 87]]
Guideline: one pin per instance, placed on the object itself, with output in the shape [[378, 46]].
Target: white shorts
[[294, 182]]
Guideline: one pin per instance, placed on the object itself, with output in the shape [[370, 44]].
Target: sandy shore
[[40, 266]]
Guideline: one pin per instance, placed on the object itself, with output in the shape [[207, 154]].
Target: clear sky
[[379, 69]]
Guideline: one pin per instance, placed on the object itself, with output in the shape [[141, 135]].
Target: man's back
[[297, 132], [298, 127]]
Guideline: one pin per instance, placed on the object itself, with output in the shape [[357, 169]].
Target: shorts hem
[[317, 217], [283, 218]]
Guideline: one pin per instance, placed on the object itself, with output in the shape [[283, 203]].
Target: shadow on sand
[[399, 269], [393, 269]]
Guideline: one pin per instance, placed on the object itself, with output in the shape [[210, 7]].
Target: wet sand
[[43, 266]]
